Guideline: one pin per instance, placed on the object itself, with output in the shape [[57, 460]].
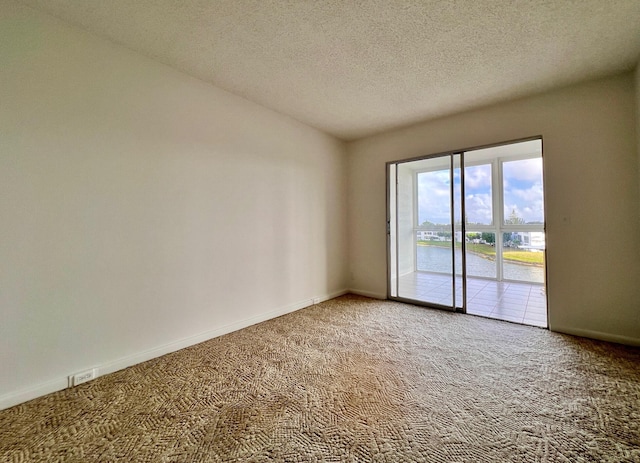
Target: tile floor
[[516, 302]]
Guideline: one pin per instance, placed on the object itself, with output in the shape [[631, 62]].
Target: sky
[[522, 193]]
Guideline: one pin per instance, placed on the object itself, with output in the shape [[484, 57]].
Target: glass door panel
[[424, 232]]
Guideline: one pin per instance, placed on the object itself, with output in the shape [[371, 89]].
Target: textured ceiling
[[352, 68]]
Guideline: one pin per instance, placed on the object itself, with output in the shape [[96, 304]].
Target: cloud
[[523, 193], [479, 208], [434, 197], [530, 212], [527, 202], [527, 170], [477, 177], [531, 194]]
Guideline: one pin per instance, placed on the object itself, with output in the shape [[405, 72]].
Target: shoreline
[[488, 257]]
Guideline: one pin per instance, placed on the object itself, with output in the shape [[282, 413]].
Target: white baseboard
[[23, 395], [361, 292], [602, 336], [318, 300]]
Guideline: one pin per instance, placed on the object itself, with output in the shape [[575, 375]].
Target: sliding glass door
[[442, 260], [424, 228]]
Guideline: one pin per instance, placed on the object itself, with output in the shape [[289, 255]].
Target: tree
[[489, 237], [512, 239], [514, 219]]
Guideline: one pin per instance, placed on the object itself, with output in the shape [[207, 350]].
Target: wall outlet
[[82, 377], [316, 300]]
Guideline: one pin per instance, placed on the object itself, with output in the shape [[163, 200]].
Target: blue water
[[437, 259]]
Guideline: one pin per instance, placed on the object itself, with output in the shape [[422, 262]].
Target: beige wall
[[638, 124], [591, 188], [144, 210]]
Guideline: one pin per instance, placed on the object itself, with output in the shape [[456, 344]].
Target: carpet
[[352, 379]]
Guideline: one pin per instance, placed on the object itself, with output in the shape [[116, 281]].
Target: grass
[[526, 257], [485, 250]]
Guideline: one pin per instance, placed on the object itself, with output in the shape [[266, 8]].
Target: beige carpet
[[352, 379]]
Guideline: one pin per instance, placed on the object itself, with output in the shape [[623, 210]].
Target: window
[[523, 200]]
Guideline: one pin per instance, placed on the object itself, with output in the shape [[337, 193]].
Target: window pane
[[481, 254], [477, 190], [433, 251], [523, 194], [434, 199], [523, 255]]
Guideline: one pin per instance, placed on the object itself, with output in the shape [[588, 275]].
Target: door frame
[[451, 154]]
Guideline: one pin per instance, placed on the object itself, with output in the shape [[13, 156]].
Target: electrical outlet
[[82, 377]]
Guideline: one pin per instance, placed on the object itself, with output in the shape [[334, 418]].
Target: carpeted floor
[[352, 379]]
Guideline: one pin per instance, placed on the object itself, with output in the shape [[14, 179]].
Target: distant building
[[424, 235], [530, 240]]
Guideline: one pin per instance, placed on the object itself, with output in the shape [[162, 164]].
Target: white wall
[[406, 259], [144, 210], [591, 193]]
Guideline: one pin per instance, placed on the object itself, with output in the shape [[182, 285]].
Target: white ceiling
[[356, 67]]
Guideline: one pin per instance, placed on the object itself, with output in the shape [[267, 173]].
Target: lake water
[[437, 259]]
